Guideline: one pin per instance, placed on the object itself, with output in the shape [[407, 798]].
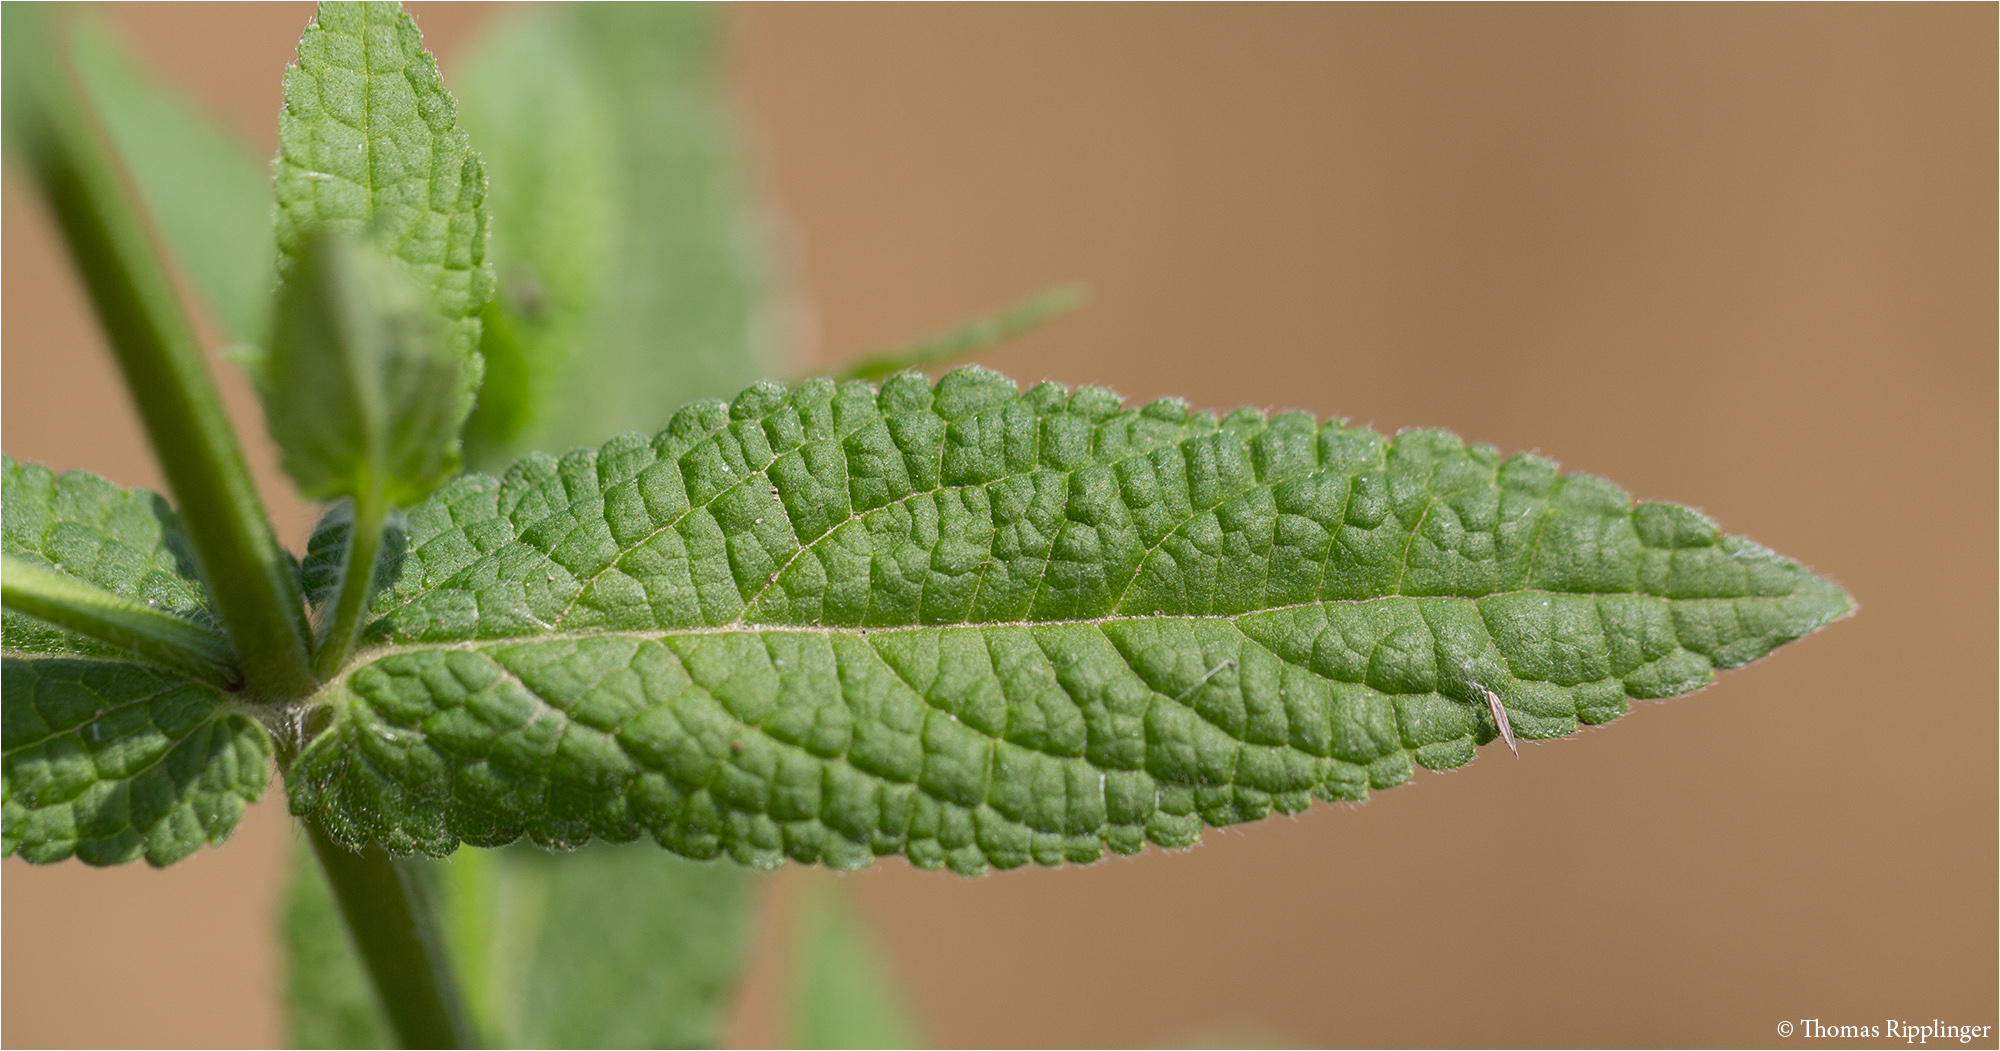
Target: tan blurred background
[[1740, 257]]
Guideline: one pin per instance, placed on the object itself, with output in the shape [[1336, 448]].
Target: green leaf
[[630, 275], [125, 541], [208, 194], [328, 1001], [617, 968], [607, 947], [361, 391], [610, 967], [981, 627], [846, 995], [326, 554], [1021, 318], [106, 759], [627, 287], [370, 146], [528, 93], [609, 156], [110, 762]]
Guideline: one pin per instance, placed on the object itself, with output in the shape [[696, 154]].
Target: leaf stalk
[[152, 634], [357, 580]]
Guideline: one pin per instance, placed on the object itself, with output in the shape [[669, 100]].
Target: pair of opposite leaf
[[584, 114], [970, 624], [136, 734]]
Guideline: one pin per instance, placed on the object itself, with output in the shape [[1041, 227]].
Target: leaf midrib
[[376, 653]]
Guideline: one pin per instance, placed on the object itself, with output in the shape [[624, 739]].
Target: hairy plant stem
[[388, 908], [357, 581], [249, 574], [152, 634]]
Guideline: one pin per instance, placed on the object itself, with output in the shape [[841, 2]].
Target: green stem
[[357, 581], [248, 573], [153, 634], [390, 915]]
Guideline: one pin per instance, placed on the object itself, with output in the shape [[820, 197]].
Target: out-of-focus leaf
[[845, 994], [208, 193], [636, 948], [630, 277], [972, 337], [328, 1002], [606, 947], [542, 128]]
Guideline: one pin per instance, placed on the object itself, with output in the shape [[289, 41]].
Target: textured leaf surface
[[105, 759], [983, 627], [110, 762], [631, 283], [126, 541], [369, 144], [206, 191], [605, 947]]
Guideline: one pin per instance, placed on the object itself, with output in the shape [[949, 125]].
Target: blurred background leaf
[[972, 337], [207, 192], [632, 280], [609, 947], [844, 992], [327, 999]]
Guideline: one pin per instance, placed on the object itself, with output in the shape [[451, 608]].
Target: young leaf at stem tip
[[365, 397], [362, 391], [369, 142]]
